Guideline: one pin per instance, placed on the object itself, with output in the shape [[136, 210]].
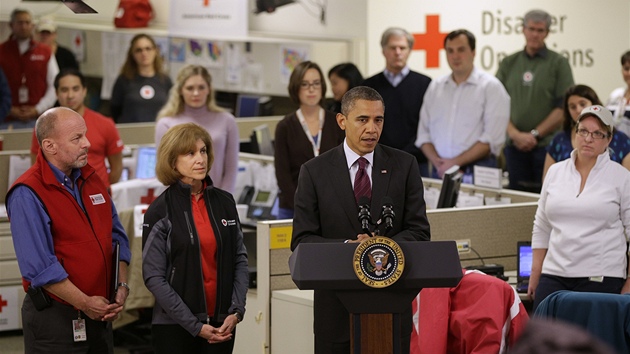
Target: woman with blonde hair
[[142, 87], [191, 100]]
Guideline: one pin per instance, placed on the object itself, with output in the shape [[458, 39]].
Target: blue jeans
[[525, 168]]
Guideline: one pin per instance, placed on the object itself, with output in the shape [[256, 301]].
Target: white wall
[[592, 35], [593, 43]]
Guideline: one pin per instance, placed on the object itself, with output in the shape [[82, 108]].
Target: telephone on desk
[[260, 202]]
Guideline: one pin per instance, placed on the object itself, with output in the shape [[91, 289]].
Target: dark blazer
[[292, 148], [326, 211]]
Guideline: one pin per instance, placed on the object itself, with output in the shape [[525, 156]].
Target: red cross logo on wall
[[431, 41], [3, 303], [150, 197]]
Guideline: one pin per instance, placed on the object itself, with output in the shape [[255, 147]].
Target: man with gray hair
[[402, 91], [536, 79]]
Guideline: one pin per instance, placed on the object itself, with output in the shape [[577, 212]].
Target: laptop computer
[[523, 265]]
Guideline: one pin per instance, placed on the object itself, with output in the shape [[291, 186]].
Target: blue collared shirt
[[32, 236], [396, 79]]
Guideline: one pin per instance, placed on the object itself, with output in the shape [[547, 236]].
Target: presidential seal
[[378, 262]]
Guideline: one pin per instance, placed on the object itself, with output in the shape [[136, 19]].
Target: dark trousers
[[50, 331], [525, 168], [549, 284], [173, 339]]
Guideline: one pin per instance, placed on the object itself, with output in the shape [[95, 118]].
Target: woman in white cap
[[579, 238]]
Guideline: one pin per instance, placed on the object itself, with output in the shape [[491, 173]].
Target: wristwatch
[[535, 133], [238, 316], [125, 285]]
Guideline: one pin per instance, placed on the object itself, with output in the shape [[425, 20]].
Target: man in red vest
[[30, 68], [64, 228]]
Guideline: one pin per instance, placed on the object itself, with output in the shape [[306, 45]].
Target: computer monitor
[[450, 187], [524, 260], [145, 164], [261, 142], [261, 204], [247, 106]]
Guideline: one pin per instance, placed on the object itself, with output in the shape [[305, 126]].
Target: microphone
[[365, 218], [388, 213]]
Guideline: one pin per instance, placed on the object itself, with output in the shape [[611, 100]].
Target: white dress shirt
[[455, 117]]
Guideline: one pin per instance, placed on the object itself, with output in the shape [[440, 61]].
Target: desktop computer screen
[[247, 106], [145, 166]]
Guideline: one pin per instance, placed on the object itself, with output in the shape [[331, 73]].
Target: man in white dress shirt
[[464, 114]]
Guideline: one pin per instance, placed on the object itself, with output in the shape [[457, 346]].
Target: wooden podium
[[375, 314]]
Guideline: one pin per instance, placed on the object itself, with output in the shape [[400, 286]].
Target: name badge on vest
[[97, 199]]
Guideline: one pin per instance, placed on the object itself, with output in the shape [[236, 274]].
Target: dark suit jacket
[[326, 211]]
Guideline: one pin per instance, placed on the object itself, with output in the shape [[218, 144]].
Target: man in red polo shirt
[[101, 131]]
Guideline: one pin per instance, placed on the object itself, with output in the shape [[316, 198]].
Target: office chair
[[606, 316], [482, 314]]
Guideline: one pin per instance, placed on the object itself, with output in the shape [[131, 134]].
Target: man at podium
[[358, 177]]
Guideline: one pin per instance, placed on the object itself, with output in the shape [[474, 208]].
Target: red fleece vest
[[82, 240], [32, 65]]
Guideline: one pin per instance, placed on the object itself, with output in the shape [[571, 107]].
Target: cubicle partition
[[18, 141], [135, 133], [492, 231]]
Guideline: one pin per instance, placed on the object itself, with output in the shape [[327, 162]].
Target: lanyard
[[316, 146]]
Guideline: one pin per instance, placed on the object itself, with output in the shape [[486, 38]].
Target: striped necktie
[[362, 185]]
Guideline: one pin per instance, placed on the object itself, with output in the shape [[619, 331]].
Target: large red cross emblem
[[431, 41]]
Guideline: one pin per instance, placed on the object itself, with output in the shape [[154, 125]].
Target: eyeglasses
[[597, 135], [145, 49], [305, 85]]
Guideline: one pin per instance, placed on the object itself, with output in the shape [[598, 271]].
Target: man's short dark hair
[[18, 11], [625, 58], [359, 93], [69, 72], [471, 37]]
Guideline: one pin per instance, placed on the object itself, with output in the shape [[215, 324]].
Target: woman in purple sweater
[[191, 100]]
